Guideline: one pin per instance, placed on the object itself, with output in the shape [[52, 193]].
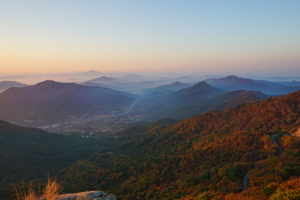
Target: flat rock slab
[[89, 195]]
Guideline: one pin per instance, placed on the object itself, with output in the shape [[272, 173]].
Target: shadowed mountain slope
[[199, 90], [51, 102], [30, 153], [180, 98], [222, 102]]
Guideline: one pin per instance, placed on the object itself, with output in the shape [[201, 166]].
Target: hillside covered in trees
[[204, 157], [30, 153]]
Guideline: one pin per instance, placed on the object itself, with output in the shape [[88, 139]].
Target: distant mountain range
[[128, 83], [141, 85], [203, 97], [8, 84], [232, 82], [180, 98], [236, 83], [133, 77], [292, 83], [166, 89], [222, 102], [52, 102]]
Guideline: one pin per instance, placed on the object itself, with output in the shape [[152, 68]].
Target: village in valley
[[95, 126]]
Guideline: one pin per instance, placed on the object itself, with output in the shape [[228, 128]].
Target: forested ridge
[[30, 154], [204, 157]]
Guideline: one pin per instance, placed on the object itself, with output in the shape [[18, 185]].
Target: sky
[[257, 37]]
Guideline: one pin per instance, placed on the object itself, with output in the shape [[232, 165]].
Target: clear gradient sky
[[201, 36]]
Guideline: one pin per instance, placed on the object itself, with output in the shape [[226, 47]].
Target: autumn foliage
[[204, 157]]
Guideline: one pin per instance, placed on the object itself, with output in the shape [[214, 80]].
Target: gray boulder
[[89, 195]]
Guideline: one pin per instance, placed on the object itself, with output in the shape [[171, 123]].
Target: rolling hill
[[51, 102]]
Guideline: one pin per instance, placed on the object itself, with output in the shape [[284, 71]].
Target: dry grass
[[50, 192], [21, 194]]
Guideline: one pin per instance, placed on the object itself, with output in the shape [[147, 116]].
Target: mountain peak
[[49, 83], [201, 84], [199, 88], [52, 102], [177, 83], [232, 77], [105, 77]]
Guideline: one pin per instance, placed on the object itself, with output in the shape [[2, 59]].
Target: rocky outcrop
[[91, 195]]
